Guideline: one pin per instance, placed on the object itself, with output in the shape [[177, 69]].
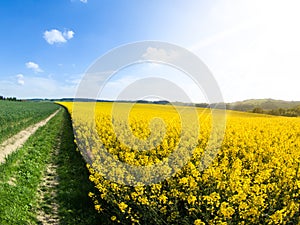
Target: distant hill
[[160, 102], [265, 104]]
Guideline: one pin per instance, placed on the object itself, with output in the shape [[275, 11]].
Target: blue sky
[[251, 47]]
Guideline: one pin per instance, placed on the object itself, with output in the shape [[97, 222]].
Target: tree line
[[291, 112], [8, 98]]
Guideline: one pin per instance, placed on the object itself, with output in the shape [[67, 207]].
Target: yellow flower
[[164, 209], [257, 162], [191, 199], [198, 222], [226, 210], [98, 208], [113, 218], [122, 206], [163, 199]]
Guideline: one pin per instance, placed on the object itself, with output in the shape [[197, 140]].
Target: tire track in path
[[48, 214], [15, 142]]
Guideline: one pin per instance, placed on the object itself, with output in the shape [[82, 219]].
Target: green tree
[[258, 110]]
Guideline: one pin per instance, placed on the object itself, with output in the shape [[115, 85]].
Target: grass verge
[[74, 184], [22, 173]]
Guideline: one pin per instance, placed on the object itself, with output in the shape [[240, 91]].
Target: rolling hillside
[[265, 104]]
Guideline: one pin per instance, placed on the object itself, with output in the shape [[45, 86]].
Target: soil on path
[[47, 214], [16, 141]]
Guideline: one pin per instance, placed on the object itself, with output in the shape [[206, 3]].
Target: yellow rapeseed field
[[254, 178]]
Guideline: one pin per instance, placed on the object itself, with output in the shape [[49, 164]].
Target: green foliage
[[75, 205], [15, 116], [293, 112], [265, 104], [22, 173], [8, 98], [258, 110]]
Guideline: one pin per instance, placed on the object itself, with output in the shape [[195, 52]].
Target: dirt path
[[48, 211], [16, 141]]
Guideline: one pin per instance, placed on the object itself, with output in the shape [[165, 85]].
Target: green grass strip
[[22, 173], [74, 184]]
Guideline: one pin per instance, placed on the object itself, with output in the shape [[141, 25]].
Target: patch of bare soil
[[47, 214], [48, 210]]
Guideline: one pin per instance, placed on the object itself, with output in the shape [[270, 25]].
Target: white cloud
[[160, 54], [159, 81], [20, 79], [56, 36], [83, 1], [68, 34], [36, 87], [34, 66]]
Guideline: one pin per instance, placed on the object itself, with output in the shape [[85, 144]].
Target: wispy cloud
[[55, 36], [160, 54], [83, 1], [34, 66], [22, 86], [159, 82], [20, 79]]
